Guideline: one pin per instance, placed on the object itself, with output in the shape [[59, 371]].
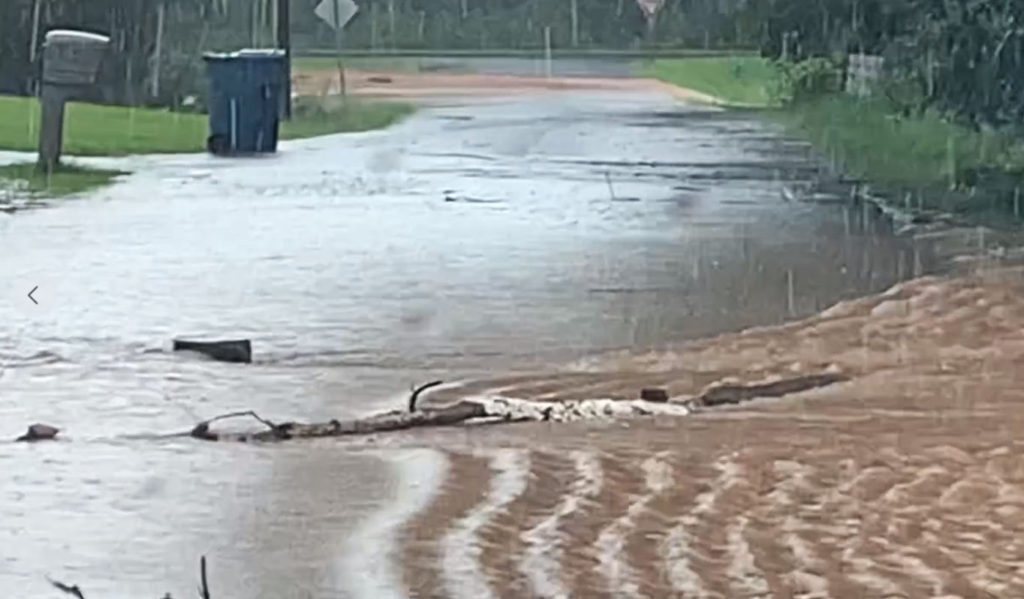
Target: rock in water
[[39, 432], [239, 351]]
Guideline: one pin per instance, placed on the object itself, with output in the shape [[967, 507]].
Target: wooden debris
[[502, 409], [380, 423], [39, 432], [418, 390], [236, 351], [204, 589], [654, 394], [69, 589], [718, 395]]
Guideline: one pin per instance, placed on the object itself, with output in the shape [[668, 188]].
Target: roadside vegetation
[[93, 130], [868, 141], [892, 139], [742, 81], [66, 179], [322, 116], [897, 141]]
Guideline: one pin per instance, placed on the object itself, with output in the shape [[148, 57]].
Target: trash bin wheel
[[217, 144]]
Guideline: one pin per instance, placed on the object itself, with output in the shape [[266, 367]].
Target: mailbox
[[72, 57], [71, 61]]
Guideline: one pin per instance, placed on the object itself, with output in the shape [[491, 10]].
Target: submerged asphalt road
[[472, 239]]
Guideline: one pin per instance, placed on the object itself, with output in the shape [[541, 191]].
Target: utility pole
[[338, 45], [284, 42]]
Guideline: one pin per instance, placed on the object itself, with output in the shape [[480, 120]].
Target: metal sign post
[[650, 9], [337, 14]]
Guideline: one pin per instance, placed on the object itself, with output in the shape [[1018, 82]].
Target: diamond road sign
[[336, 13]]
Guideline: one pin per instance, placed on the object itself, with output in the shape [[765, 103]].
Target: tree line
[[191, 27], [962, 57]]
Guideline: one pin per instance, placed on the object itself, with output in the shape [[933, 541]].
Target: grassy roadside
[[66, 179], [735, 80], [947, 166], [92, 130], [868, 141], [313, 116]]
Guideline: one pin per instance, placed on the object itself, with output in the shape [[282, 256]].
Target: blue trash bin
[[246, 92]]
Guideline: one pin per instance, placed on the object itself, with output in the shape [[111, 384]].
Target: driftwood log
[[501, 409], [720, 395], [380, 423]]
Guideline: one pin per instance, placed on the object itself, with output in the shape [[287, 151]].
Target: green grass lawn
[[313, 116], [64, 180], [735, 80], [867, 141], [92, 130]]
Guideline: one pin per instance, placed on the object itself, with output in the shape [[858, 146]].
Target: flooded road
[[476, 238]]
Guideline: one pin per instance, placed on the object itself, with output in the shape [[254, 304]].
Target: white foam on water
[[544, 551], [461, 571], [679, 544], [369, 562], [611, 543]]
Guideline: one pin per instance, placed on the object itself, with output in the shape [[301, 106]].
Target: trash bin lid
[[81, 37], [246, 53], [260, 53]]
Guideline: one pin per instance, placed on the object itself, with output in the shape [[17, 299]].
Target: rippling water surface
[[471, 240]]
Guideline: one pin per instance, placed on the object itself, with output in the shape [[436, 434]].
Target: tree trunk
[[154, 89]]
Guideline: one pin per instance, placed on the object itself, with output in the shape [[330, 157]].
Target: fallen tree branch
[[720, 395], [380, 423], [69, 589], [506, 410], [204, 590], [416, 393], [202, 430]]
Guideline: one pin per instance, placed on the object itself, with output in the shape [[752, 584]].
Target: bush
[[806, 80]]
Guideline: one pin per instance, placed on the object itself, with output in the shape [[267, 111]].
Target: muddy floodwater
[[477, 238]]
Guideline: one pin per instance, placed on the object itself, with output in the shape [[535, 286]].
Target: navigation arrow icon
[[34, 289]]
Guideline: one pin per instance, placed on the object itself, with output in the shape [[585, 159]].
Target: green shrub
[[805, 80]]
